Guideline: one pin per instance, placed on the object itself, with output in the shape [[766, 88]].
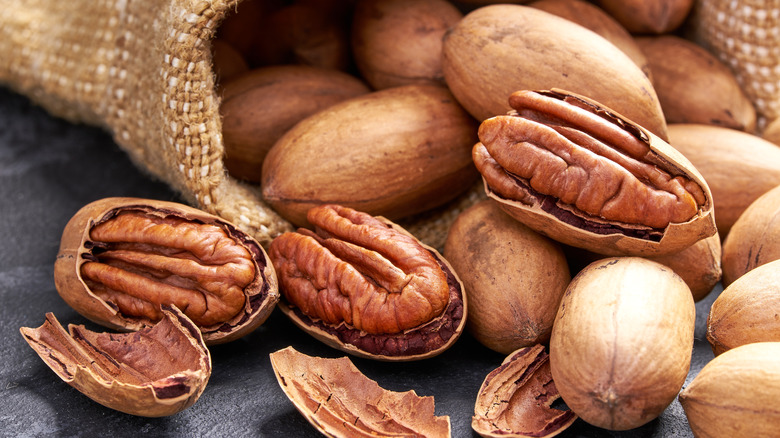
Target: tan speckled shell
[[747, 310], [735, 395], [622, 341], [754, 239]]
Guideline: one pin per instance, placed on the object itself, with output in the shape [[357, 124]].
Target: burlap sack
[[745, 35], [142, 70]]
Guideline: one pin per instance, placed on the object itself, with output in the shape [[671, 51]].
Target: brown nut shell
[[642, 16], [155, 372], [735, 395], [290, 32], [499, 49], [398, 42], [738, 166], [394, 153], [574, 170], [754, 239], [694, 86], [514, 277], [120, 259], [515, 399], [592, 17], [747, 310], [699, 265], [227, 62], [340, 401], [261, 105], [364, 285], [621, 343]]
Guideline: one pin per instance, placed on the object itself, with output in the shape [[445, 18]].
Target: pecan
[[121, 259], [157, 371], [582, 165], [361, 280]]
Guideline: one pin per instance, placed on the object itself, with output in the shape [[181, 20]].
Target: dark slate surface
[[49, 168]]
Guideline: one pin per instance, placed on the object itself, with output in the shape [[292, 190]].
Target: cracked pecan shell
[[582, 174], [364, 285], [340, 401], [155, 372], [516, 399], [120, 259]]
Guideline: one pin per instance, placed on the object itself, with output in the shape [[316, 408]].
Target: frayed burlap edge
[[142, 70]]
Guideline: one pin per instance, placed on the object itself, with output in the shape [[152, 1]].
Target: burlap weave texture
[[745, 35], [142, 70]]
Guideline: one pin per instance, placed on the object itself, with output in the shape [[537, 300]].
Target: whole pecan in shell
[[577, 172], [364, 285]]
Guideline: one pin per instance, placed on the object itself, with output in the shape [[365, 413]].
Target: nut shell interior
[[339, 401], [157, 371], [516, 399]]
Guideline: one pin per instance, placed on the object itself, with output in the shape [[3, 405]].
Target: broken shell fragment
[[340, 401], [364, 285], [516, 399], [585, 176], [155, 372], [120, 259]]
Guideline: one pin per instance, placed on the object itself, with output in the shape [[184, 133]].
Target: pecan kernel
[[355, 269], [592, 165], [140, 261], [122, 259]]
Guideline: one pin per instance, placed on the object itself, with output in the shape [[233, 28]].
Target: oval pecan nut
[[120, 259], [155, 372], [364, 285], [516, 399], [582, 174]]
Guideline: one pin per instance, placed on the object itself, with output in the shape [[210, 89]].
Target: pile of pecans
[[624, 171]]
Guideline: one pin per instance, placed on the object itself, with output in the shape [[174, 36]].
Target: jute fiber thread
[[142, 70], [745, 35]]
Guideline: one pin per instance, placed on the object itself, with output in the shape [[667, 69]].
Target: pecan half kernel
[[362, 279], [585, 165], [121, 259], [141, 261]]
